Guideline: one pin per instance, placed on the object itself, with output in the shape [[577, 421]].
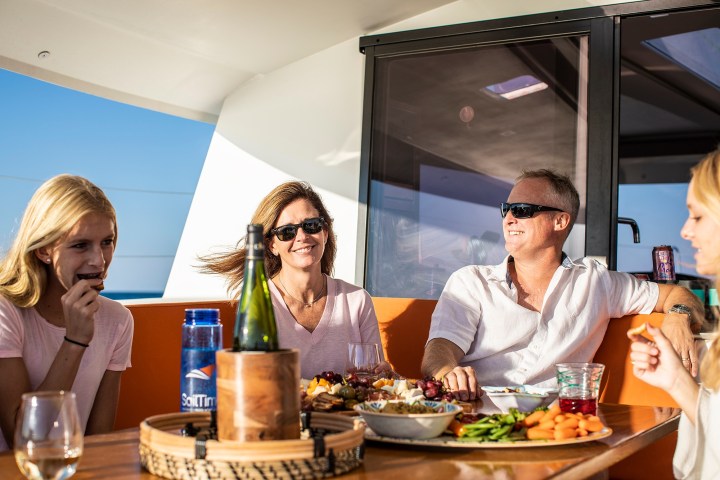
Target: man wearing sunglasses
[[509, 324]]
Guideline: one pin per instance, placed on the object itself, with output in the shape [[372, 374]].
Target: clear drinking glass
[[579, 386], [363, 358], [48, 435]]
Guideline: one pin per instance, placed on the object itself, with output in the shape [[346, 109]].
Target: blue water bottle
[[201, 338]]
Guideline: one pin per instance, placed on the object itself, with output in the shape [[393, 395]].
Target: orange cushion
[[152, 385], [404, 325], [619, 384]]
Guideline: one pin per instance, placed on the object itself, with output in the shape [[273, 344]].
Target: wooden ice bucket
[[258, 395]]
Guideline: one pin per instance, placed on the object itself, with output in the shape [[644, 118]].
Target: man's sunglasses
[[524, 210], [289, 231]]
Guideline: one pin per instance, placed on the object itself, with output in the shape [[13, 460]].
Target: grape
[[431, 392], [337, 378], [448, 397], [421, 385]]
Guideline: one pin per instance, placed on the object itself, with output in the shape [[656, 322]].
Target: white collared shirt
[[507, 344]]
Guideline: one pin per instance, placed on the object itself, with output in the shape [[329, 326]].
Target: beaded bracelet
[[84, 345]]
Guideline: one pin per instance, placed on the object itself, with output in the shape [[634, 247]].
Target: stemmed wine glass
[[48, 435], [363, 359]]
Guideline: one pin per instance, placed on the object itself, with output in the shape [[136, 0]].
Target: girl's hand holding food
[[656, 362], [80, 303]]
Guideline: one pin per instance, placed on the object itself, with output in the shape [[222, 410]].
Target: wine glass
[[363, 358], [48, 435]]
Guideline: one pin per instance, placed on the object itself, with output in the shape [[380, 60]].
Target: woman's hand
[[656, 362], [80, 303]]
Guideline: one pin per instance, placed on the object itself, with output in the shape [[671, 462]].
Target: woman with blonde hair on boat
[[697, 455], [56, 332], [315, 313]]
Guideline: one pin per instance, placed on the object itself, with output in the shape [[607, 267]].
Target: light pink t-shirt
[[24, 333], [349, 316]]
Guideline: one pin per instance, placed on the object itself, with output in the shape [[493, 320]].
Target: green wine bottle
[[255, 327]]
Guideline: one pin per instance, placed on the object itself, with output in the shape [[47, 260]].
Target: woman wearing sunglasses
[[697, 455], [316, 313]]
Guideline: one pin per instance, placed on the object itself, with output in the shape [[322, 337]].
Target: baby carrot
[[592, 426], [533, 418], [564, 433], [547, 425], [537, 433], [569, 423], [553, 412]]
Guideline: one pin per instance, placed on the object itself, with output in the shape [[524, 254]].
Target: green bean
[[499, 427]]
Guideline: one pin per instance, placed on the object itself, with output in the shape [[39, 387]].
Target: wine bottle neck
[[255, 246]]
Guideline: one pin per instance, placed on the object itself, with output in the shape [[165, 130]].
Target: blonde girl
[[697, 455], [56, 332]]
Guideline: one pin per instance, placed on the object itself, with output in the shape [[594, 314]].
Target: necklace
[[305, 304]]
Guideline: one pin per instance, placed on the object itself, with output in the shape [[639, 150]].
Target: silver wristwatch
[[680, 308]]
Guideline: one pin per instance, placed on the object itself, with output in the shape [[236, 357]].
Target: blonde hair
[[706, 189], [231, 264], [53, 211]]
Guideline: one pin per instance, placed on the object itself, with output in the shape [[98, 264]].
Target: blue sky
[[148, 164]]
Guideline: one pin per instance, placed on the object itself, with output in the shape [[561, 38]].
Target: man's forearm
[[680, 295], [440, 357]]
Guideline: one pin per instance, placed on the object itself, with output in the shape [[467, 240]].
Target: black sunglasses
[[289, 231], [524, 210]]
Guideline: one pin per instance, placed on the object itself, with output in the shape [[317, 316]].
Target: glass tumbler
[[362, 359], [579, 386]]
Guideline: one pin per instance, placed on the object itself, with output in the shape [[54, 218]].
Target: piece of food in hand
[[93, 276], [638, 330]]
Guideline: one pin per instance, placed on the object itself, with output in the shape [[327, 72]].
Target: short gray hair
[[562, 187]]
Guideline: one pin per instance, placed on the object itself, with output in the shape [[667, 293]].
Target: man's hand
[[441, 360], [461, 381], [676, 329]]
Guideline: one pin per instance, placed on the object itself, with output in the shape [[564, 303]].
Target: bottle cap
[[201, 315], [255, 228]]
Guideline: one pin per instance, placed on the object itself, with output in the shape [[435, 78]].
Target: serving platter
[[447, 441]]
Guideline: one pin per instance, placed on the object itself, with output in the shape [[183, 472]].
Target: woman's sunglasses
[[524, 210], [289, 231]]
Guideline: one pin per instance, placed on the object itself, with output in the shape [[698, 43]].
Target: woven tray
[[331, 445]]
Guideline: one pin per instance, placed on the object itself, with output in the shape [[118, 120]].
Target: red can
[[663, 264]]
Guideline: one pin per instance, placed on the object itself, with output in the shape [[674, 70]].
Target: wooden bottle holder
[[258, 395]]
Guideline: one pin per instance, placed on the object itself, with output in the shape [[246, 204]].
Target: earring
[[47, 260]]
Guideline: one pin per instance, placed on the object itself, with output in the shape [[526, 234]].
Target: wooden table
[[115, 455]]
